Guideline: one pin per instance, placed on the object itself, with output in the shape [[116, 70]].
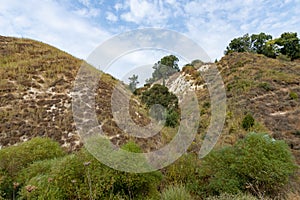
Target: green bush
[[172, 118], [15, 158], [265, 86], [248, 122], [184, 171], [293, 95], [264, 164], [159, 94], [258, 164], [81, 176], [176, 193]]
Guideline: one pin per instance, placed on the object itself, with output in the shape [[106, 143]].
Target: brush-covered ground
[[36, 103]]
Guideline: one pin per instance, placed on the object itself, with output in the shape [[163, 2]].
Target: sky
[[79, 26]]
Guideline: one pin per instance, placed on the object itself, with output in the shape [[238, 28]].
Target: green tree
[[290, 46], [133, 81], [164, 68], [258, 42], [270, 49], [240, 44]]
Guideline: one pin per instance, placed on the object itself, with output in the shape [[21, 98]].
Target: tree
[[290, 46], [258, 42], [133, 82], [240, 44], [270, 49], [170, 61], [164, 68]]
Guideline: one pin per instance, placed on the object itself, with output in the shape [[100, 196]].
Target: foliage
[[159, 95], [81, 176], [15, 158], [258, 42], [176, 193], [133, 82], [293, 95], [164, 68], [258, 164], [172, 118], [288, 44], [240, 44], [185, 171], [248, 122]]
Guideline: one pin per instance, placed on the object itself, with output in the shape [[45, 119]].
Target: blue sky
[[79, 26]]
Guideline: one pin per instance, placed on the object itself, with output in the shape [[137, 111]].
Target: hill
[[36, 90], [265, 88]]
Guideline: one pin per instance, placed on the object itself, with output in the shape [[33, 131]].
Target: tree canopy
[[164, 68], [288, 44], [133, 81]]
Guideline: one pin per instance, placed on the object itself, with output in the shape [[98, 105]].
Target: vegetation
[[16, 158], [288, 44], [176, 193], [248, 122], [159, 95], [257, 164], [37, 78], [133, 82], [164, 68]]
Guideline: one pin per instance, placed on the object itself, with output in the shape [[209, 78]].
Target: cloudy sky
[[79, 26]]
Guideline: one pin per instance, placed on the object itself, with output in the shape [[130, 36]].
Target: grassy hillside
[[265, 89], [35, 90], [35, 100]]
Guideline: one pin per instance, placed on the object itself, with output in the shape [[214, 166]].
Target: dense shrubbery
[[159, 94], [74, 176], [15, 158], [257, 164]]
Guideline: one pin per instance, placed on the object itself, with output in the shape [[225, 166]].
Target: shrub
[[176, 193], [81, 176], [15, 158], [258, 164], [172, 118], [265, 86], [248, 122], [293, 95], [159, 95], [184, 171], [264, 164]]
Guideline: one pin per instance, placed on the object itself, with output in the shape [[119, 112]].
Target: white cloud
[[145, 12], [118, 6], [111, 17], [79, 28], [51, 23]]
